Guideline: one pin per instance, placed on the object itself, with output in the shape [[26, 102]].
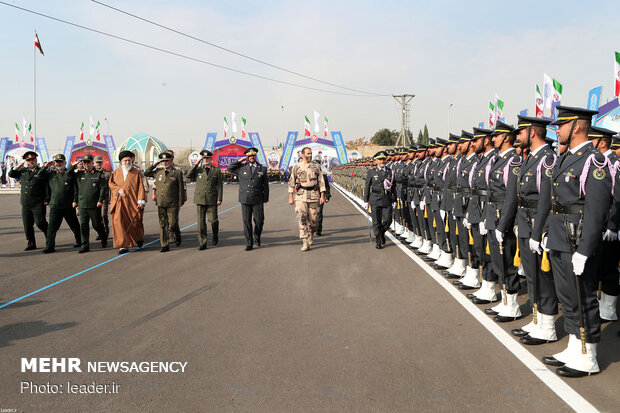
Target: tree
[[420, 137], [425, 134], [384, 137], [356, 142]]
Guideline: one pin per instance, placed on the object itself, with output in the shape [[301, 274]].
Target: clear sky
[[459, 52]]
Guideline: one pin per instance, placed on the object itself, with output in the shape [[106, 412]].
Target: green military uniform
[[106, 203], [207, 194], [170, 195], [328, 195], [34, 194], [63, 194], [92, 188]]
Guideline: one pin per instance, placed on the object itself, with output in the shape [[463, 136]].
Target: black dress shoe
[[518, 332], [466, 287], [318, 233], [48, 250], [202, 247], [470, 295], [552, 361], [140, 243], [178, 242], [451, 276], [30, 248], [123, 251], [490, 311], [77, 244], [503, 319], [215, 240], [104, 242], [249, 248], [568, 372], [98, 238], [164, 249], [83, 250], [383, 238], [533, 341], [477, 300], [457, 282], [257, 240], [427, 258]]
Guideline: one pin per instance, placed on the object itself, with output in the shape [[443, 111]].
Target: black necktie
[[567, 154]]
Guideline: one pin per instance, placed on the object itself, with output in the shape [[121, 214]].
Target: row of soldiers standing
[[487, 205]]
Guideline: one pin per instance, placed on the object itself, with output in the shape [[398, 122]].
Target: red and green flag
[[243, 127], [37, 43], [539, 103], [306, 126], [16, 132], [82, 132], [617, 74]]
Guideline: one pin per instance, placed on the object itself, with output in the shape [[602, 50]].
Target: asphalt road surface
[[343, 327]]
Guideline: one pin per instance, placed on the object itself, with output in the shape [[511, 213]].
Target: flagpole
[[34, 60]]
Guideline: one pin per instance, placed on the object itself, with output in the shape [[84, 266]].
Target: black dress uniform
[[412, 197], [533, 207], [34, 193], [449, 195], [420, 179], [328, 195], [62, 196], [380, 198], [439, 172], [253, 194], [581, 200], [92, 188]]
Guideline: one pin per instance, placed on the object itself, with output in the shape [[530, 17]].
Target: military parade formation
[[488, 207]]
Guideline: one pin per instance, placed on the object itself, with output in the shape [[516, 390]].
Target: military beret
[[125, 154], [501, 127], [30, 155], [165, 156], [567, 114], [526, 121], [250, 151], [205, 153], [60, 157], [380, 155], [87, 157], [596, 132], [98, 158]]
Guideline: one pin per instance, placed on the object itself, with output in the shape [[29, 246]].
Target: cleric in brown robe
[[127, 200]]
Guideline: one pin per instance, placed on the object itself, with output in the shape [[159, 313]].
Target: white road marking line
[[574, 400]]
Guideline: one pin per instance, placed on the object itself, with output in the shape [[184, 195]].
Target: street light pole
[[282, 132]]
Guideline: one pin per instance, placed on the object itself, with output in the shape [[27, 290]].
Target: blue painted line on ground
[[94, 266]]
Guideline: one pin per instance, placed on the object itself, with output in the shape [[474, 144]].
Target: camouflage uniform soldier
[[304, 186], [170, 197]]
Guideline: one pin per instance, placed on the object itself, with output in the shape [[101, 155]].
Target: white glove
[[393, 205], [535, 247], [610, 235], [366, 207], [499, 235], [515, 229], [543, 243], [579, 263], [466, 223], [483, 228], [412, 204], [442, 214], [422, 205]]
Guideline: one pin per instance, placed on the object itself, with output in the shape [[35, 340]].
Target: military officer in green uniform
[[207, 196], [92, 189], [63, 200], [106, 203], [34, 197], [170, 197], [328, 195]]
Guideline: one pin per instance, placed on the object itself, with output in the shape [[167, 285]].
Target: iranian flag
[[37, 43], [98, 133], [82, 132], [30, 132], [225, 127], [491, 115], [557, 91], [325, 127], [539, 103], [243, 127], [617, 73], [499, 107], [16, 132], [306, 126]]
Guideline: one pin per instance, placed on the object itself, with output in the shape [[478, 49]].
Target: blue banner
[[42, 147], [341, 151], [4, 142], [481, 125], [554, 111], [111, 147], [523, 112], [210, 142], [255, 139], [288, 149], [594, 99], [69, 147]]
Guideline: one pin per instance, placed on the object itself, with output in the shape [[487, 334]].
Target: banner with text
[[594, 98], [4, 143], [42, 147], [341, 151], [255, 139], [210, 142], [288, 149], [111, 147], [69, 147]]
